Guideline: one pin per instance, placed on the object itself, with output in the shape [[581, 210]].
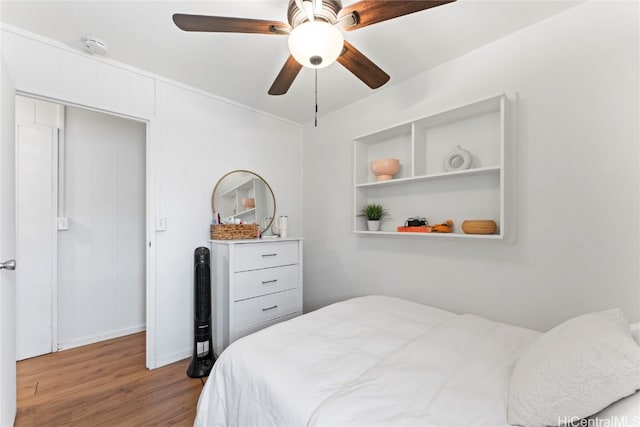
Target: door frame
[[150, 202]]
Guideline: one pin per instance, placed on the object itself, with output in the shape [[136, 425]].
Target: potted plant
[[374, 213]]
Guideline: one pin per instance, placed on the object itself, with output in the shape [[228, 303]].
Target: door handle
[[8, 265]]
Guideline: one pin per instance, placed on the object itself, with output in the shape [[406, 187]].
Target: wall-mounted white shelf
[[433, 235], [467, 172], [248, 212], [422, 187]]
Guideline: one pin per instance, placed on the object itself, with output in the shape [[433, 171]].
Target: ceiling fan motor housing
[[329, 12]]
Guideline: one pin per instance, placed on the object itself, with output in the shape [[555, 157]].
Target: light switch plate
[[62, 223], [161, 223]]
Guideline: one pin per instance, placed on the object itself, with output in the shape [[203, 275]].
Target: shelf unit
[[232, 201], [422, 187]]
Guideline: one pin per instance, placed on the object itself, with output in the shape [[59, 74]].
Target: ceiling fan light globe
[[316, 39]]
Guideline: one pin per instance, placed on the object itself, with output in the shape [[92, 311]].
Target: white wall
[[194, 138], [577, 248], [199, 140], [101, 257]]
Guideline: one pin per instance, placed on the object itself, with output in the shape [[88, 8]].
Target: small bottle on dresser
[[283, 220]]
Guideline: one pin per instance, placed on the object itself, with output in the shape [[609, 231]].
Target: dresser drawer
[[264, 255], [249, 284], [265, 308]]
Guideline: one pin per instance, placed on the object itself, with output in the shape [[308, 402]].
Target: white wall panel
[[577, 247], [25, 110], [102, 134], [200, 140], [76, 266], [8, 51], [36, 112], [122, 90], [49, 114], [77, 77], [36, 67], [130, 265], [142, 90]]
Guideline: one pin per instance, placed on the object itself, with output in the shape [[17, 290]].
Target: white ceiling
[[242, 67]]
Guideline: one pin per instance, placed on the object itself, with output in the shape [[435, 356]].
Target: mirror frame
[[213, 194]]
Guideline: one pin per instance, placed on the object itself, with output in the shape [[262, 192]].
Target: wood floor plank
[[104, 384]]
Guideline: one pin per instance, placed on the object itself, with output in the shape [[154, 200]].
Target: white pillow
[[574, 370], [624, 412]]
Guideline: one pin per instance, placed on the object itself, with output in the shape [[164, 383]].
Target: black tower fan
[[203, 357]]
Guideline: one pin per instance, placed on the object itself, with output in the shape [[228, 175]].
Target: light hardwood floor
[[104, 384]]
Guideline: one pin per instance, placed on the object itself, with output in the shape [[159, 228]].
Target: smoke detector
[[93, 45]]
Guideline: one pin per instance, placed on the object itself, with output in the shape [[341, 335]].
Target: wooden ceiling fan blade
[[223, 24], [285, 77], [367, 12], [362, 67]]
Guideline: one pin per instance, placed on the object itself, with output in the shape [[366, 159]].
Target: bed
[[382, 361]]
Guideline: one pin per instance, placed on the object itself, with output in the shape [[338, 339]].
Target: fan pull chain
[[316, 116]]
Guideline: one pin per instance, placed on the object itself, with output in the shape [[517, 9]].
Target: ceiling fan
[[315, 39]]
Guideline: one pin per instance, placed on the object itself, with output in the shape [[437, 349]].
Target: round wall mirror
[[244, 195]]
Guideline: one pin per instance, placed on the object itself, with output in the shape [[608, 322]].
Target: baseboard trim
[[171, 358], [100, 337]]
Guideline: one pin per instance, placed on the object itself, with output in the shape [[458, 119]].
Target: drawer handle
[[266, 282], [266, 255], [270, 308]]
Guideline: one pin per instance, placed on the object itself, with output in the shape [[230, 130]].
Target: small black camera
[[415, 222]]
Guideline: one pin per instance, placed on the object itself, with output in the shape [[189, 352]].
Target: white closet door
[[36, 236]]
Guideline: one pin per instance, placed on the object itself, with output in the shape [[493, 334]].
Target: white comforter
[[371, 361]]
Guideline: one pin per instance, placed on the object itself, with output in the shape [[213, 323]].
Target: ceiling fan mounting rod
[[309, 9]]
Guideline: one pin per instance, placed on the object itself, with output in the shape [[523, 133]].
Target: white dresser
[[254, 283]]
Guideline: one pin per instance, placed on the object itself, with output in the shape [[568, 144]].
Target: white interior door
[[7, 249], [36, 171]]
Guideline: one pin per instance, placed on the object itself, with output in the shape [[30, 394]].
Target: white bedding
[[367, 361]]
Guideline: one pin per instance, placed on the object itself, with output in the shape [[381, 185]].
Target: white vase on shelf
[[373, 225]]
